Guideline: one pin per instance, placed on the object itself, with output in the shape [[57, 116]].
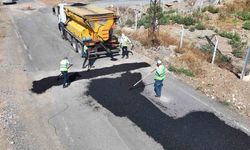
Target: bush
[[244, 15], [181, 71], [200, 26], [225, 34], [164, 20], [176, 19], [211, 9], [207, 48], [237, 53], [130, 22], [235, 42], [246, 25], [144, 21], [187, 20], [192, 29]]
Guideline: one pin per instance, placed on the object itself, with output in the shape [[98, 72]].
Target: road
[[99, 110]]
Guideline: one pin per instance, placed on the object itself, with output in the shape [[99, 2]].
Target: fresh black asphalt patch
[[195, 131], [44, 84]]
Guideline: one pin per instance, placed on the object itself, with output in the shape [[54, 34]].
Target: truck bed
[[89, 11]]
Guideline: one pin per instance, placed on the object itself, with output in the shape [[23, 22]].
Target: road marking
[[30, 57], [18, 34]]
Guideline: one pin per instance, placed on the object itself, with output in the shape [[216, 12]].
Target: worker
[[64, 67], [124, 41], [160, 75]]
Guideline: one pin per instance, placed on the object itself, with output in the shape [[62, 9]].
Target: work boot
[[157, 96]]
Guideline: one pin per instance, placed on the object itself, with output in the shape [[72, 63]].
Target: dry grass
[[164, 39], [236, 5]]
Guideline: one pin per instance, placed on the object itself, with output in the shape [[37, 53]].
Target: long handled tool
[[59, 76], [142, 79]]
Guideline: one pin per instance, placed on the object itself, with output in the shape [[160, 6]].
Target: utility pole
[[154, 13]]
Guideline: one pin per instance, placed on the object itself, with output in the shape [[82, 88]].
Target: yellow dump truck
[[89, 25]]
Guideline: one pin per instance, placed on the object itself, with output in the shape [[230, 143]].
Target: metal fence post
[[136, 19], [243, 73], [215, 49], [182, 35]]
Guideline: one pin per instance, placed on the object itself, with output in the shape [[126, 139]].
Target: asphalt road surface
[[100, 110]]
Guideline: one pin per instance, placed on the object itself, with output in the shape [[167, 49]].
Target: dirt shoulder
[[4, 27]]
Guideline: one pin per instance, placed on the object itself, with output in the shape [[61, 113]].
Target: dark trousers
[[65, 78], [124, 51], [158, 86]]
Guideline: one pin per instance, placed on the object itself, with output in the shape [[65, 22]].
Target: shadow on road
[[195, 131], [44, 84]]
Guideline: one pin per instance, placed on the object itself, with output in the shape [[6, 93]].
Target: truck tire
[[74, 45], [62, 31], [80, 49], [68, 37]]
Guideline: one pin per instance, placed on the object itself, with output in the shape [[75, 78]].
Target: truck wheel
[[74, 45], [62, 31], [68, 37], [80, 49]]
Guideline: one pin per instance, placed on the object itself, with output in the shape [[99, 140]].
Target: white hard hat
[[158, 62]]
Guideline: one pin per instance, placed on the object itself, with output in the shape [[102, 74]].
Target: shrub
[[176, 19], [130, 22], [187, 20], [211, 9], [192, 29], [244, 15], [246, 25], [164, 20], [237, 53], [144, 21], [200, 26], [225, 34], [235, 42], [207, 48], [181, 71]]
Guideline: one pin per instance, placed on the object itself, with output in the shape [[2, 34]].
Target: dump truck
[[86, 24]]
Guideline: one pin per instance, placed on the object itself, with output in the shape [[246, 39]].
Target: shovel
[[59, 76], [141, 79]]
